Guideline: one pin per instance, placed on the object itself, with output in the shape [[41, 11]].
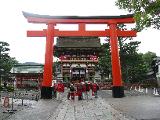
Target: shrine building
[[27, 76], [78, 57]]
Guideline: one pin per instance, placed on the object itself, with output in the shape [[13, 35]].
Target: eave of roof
[[20, 65], [26, 14]]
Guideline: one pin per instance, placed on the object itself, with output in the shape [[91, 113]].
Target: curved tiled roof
[[78, 42]]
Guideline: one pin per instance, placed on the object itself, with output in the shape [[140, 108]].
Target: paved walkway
[[95, 109], [140, 106]]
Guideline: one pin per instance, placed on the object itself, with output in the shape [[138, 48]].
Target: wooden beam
[[36, 33], [105, 33]]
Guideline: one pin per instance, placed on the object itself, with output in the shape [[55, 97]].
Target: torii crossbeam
[[51, 32]]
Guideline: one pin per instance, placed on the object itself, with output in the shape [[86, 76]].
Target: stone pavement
[[17, 106], [93, 109], [140, 106]]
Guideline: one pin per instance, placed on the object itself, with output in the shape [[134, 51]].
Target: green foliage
[[148, 58], [10, 88], [146, 12], [104, 64], [133, 68], [6, 62]]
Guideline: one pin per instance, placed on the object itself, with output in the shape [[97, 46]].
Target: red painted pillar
[[46, 90], [117, 90]]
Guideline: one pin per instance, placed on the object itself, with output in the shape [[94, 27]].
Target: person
[[54, 91], [68, 94], [84, 95], [60, 90], [88, 88], [79, 91], [72, 92], [95, 88]]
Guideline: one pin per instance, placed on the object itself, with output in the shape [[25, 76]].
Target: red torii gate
[[51, 32]]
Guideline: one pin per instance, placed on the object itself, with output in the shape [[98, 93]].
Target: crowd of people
[[81, 90]]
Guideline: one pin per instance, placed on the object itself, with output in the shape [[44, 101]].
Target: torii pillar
[[46, 90], [117, 89], [50, 33]]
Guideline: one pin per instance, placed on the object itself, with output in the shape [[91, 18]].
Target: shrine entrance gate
[[113, 32]]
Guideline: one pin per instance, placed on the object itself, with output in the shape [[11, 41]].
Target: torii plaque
[[51, 32]]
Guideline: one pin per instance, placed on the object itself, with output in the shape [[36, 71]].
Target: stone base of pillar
[[46, 92], [117, 91]]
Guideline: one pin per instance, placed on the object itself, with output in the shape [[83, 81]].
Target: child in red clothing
[[60, 90]]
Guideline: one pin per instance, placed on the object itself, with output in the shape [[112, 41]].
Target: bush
[[10, 88]]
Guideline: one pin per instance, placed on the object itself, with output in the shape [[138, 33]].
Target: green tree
[[6, 62], [148, 58], [146, 12], [133, 68], [104, 64]]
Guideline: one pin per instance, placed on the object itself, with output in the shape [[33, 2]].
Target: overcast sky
[[13, 25]]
